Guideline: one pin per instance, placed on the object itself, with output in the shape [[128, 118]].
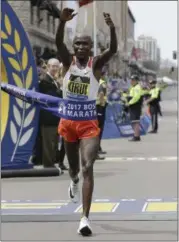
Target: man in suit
[[49, 122]]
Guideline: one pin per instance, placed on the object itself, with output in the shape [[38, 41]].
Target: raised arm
[[63, 52], [103, 58], [66, 15]]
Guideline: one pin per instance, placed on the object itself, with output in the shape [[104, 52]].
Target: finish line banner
[[67, 109]]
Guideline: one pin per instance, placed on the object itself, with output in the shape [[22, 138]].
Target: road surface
[[134, 198]]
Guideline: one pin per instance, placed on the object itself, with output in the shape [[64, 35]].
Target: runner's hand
[[67, 14], [108, 20]]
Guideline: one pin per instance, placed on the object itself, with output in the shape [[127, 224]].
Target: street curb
[[43, 172]]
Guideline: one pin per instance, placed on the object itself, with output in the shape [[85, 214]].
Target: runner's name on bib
[[80, 111], [78, 87]]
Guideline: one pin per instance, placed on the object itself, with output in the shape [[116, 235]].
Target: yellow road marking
[[100, 208], [161, 207], [31, 205]]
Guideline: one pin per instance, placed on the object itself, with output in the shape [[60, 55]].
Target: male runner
[[81, 82]]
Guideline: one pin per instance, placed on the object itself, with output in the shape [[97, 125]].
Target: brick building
[[39, 25]]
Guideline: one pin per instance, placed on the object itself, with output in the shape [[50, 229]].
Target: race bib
[[78, 87]]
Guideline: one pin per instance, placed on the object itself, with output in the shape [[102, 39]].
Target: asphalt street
[[136, 186]]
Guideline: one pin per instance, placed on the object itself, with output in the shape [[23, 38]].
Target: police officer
[[135, 106], [153, 103], [161, 88], [145, 93], [124, 99], [101, 105]]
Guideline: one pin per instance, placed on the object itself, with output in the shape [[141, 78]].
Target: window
[[53, 22], [48, 22], [38, 17], [31, 14]]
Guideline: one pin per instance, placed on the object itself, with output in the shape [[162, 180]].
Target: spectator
[[49, 122], [37, 151]]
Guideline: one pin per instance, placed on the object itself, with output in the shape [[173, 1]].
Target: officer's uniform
[[135, 103], [145, 94], [101, 108], [124, 96], [125, 108], [161, 88], [154, 106]]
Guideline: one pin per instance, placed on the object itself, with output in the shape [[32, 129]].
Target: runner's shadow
[[123, 230]]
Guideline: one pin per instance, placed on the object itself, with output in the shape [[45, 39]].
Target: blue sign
[[18, 119]]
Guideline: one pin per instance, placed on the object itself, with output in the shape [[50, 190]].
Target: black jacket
[[48, 86]]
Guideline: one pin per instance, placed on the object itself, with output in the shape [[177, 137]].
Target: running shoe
[[84, 227], [73, 192]]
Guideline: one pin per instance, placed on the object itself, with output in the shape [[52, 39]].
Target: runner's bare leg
[[89, 149], [72, 152]]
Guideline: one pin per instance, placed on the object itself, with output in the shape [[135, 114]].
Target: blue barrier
[[18, 119], [118, 127]]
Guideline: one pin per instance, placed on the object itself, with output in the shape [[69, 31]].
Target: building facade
[[149, 44], [39, 25], [130, 32], [142, 55], [158, 55], [118, 11]]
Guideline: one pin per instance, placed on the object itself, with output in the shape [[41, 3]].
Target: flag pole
[[94, 29]]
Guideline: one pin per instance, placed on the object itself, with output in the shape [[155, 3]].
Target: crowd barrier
[[117, 126], [19, 120]]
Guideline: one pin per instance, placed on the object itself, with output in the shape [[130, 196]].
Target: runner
[[81, 82]]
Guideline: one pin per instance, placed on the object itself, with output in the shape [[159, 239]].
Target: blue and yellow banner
[[18, 68]]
